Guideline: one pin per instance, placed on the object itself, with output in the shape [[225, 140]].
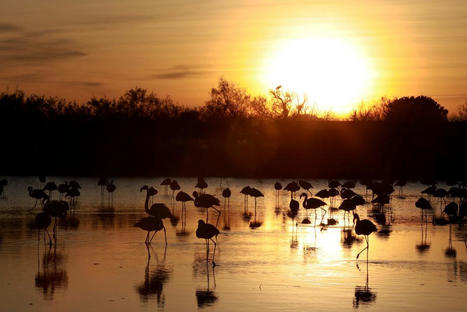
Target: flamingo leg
[[367, 245], [165, 234], [214, 253], [152, 236], [50, 238]]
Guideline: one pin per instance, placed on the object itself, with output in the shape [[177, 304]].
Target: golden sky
[[350, 50]]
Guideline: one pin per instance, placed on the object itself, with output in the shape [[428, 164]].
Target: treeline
[[233, 134]]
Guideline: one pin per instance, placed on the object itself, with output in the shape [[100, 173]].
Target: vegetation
[[233, 134]]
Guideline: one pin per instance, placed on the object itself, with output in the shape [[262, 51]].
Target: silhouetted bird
[[292, 187], [333, 184], [111, 189], [208, 231], [102, 182], [150, 224], [50, 187], [364, 227], [226, 193], [255, 193], [246, 192], [62, 189], [183, 197], [174, 186], [305, 185], [313, 203], [74, 184], [56, 209], [201, 185], [42, 222], [166, 182], [37, 194], [207, 201]]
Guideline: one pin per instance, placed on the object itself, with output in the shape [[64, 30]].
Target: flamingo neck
[[146, 203]]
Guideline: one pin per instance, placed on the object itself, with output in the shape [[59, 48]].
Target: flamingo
[[207, 201], [102, 182], [150, 224], [246, 192], [226, 193], [166, 182], [37, 194], [312, 203], [292, 214], [62, 189], [201, 185], [110, 189], [183, 197], [277, 187], [255, 193], [42, 222], [56, 209], [349, 184], [292, 187], [50, 187], [364, 227], [208, 231], [305, 185]]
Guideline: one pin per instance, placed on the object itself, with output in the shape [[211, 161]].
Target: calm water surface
[[100, 261]]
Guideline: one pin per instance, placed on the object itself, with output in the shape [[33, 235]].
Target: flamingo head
[[144, 187]]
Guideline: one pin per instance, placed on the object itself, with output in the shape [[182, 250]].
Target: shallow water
[[100, 261]]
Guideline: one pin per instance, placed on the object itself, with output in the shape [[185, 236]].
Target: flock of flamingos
[[381, 193]]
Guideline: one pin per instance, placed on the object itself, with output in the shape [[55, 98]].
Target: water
[[100, 261]]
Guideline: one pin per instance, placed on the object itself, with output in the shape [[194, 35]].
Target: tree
[[415, 109]]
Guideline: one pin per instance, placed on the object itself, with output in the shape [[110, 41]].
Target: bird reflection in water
[[450, 252], [51, 273], [205, 296], [363, 294], [154, 279]]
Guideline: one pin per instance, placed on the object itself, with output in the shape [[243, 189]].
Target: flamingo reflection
[[154, 280]]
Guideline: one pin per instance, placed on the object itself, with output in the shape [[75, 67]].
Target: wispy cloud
[[35, 47], [180, 72], [5, 27]]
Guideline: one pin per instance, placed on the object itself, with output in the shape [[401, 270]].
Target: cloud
[[5, 27], [35, 47], [180, 72]]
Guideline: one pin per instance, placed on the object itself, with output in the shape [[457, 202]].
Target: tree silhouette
[[415, 109]]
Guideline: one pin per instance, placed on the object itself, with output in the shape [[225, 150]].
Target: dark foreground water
[[100, 261]]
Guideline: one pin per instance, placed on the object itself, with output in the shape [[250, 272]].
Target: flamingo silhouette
[[305, 185], [110, 189], [166, 182], [37, 194], [364, 227], [42, 222], [56, 209], [151, 224], [246, 192], [50, 187], [312, 203], [255, 193], [201, 185], [207, 201], [208, 232], [226, 193], [183, 197], [278, 188], [292, 187]]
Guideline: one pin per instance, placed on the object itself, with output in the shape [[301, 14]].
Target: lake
[[100, 261]]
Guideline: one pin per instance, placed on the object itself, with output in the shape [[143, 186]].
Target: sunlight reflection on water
[[100, 261]]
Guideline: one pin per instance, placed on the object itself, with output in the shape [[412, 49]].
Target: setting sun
[[331, 72]]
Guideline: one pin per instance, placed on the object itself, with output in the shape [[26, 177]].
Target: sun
[[332, 72]]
